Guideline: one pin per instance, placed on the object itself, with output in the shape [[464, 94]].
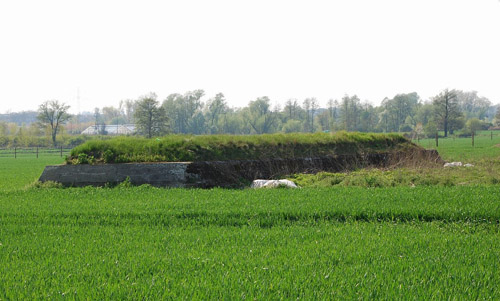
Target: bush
[[125, 184], [84, 159]]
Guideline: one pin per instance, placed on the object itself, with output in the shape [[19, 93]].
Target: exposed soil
[[238, 173]]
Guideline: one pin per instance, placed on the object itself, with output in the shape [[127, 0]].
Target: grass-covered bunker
[[229, 161]]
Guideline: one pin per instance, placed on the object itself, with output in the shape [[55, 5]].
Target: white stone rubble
[[273, 184], [457, 164]]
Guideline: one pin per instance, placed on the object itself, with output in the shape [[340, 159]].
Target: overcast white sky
[[114, 50]]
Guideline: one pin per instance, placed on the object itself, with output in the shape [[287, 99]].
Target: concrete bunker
[[230, 173]]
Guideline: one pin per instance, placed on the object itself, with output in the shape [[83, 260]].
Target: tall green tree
[[52, 115], [333, 112], [216, 107], [310, 106], [127, 108], [181, 110], [259, 115], [100, 126], [4, 129], [150, 118], [398, 110], [292, 110], [350, 112], [447, 111], [496, 121], [368, 118], [425, 113], [473, 105]]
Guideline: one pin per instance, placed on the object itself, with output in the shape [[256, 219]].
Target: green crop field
[[342, 242], [20, 172]]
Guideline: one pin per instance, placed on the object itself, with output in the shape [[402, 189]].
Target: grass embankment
[[179, 148]]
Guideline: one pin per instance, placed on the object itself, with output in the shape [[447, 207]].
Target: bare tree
[[54, 114], [447, 109]]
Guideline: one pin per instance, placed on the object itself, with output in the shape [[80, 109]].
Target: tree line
[[449, 111]]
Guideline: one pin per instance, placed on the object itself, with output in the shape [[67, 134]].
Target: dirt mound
[[240, 172]]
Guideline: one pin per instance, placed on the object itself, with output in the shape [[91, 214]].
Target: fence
[[484, 137], [24, 152]]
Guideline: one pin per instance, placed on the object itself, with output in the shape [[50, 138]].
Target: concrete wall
[[223, 173], [156, 174]]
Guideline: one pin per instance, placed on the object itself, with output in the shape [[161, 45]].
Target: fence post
[[15, 152], [61, 151], [37, 152], [437, 143], [491, 135], [472, 138]]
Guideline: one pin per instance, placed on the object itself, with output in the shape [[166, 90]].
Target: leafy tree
[[127, 108], [110, 113], [4, 128], [306, 104], [350, 109], [292, 109], [473, 105], [292, 126], [497, 118], [323, 120], [53, 115], [100, 126], [198, 124], [397, 110], [216, 107], [333, 111], [150, 118], [234, 123], [181, 109], [425, 113], [259, 115], [430, 129], [447, 111], [474, 124], [368, 118], [310, 106]]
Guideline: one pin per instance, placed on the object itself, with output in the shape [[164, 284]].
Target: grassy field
[[18, 173], [461, 149], [344, 242]]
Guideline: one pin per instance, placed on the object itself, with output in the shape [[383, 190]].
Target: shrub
[[45, 185], [125, 184]]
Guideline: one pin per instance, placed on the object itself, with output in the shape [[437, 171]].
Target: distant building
[[110, 129]]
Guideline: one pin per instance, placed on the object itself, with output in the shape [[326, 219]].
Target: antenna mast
[[78, 108]]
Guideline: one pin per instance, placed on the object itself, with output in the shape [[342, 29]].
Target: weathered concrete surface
[[208, 174], [156, 174]]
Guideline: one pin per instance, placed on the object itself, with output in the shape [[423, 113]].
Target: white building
[[110, 129]]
